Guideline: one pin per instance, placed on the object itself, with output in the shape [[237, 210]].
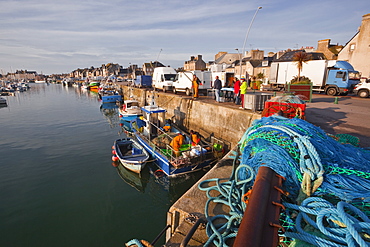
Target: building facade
[[195, 63], [357, 50], [329, 50]]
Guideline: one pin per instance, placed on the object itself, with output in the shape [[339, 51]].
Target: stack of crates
[[255, 101]]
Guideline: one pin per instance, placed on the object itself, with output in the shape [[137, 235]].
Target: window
[[341, 74], [352, 47]]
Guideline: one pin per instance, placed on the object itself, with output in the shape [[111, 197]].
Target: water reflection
[[110, 112], [137, 181]]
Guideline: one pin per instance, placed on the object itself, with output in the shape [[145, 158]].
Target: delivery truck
[[332, 77], [184, 81], [163, 78], [143, 81]]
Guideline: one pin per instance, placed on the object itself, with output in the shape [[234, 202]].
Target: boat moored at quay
[[152, 134]]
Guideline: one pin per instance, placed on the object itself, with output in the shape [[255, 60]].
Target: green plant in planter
[[300, 80], [300, 58]]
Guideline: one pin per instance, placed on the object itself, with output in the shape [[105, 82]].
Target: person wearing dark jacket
[[217, 85]]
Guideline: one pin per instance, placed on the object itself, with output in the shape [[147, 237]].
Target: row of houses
[[23, 75]]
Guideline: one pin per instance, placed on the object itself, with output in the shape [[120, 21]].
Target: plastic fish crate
[[255, 101], [289, 110]]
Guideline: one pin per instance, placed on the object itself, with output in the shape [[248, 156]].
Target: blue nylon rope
[[292, 147]]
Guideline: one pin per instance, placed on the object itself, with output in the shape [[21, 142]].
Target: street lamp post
[[240, 62], [246, 36]]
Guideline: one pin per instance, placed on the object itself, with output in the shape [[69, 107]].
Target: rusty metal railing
[[260, 223]]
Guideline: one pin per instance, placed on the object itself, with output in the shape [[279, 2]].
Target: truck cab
[[341, 78]]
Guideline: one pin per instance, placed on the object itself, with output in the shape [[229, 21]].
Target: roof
[[288, 56]]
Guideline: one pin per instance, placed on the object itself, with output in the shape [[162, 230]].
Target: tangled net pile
[[328, 184]]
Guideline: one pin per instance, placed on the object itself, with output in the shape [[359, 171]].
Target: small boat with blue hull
[[109, 92], [129, 110], [110, 98], [130, 153], [152, 135]]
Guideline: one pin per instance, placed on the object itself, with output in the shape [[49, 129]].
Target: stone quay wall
[[203, 115]]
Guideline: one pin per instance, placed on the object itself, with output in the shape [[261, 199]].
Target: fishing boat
[[130, 153], [126, 127], [151, 134], [129, 110], [93, 86], [109, 92]]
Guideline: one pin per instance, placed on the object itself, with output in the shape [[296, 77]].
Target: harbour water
[[57, 183]]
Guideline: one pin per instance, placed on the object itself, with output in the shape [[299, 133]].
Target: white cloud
[[60, 36]]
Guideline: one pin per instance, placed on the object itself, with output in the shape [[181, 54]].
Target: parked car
[[362, 89]]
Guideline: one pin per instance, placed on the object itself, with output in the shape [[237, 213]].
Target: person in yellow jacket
[[243, 90], [176, 143], [195, 86]]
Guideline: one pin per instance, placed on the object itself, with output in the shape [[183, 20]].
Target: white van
[[184, 81], [163, 78]]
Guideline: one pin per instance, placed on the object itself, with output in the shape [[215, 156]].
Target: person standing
[[217, 85], [195, 86], [237, 91], [243, 90]]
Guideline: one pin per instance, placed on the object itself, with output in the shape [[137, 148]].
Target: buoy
[[121, 124], [114, 152], [112, 147], [114, 158], [120, 115]]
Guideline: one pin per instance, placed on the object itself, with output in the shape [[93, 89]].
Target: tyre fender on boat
[[159, 173]]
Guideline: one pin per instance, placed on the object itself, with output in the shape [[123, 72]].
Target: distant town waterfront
[[57, 184]]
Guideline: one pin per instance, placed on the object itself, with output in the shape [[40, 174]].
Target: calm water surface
[[57, 183]]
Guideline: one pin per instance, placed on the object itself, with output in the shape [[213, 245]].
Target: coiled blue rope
[[336, 223], [271, 142]]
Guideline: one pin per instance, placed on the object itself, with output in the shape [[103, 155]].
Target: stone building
[[195, 63], [148, 68], [357, 49], [226, 58], [329, 50], [249, 64]]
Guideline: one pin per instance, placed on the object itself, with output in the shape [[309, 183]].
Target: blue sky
[[60, 36]]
